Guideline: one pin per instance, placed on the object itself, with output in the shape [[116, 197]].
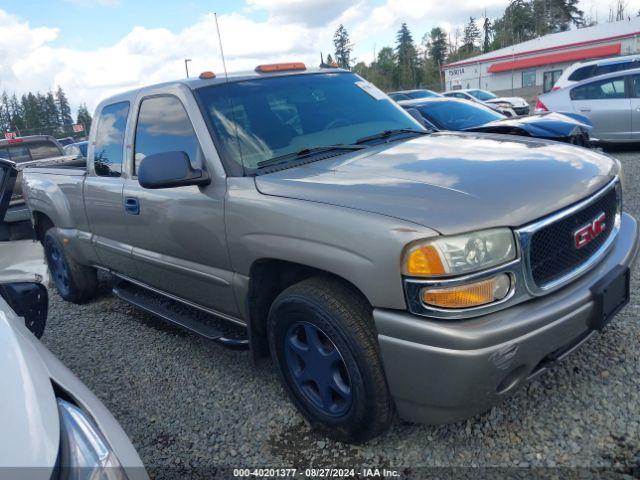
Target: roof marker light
[[280, 67], [207, 75]]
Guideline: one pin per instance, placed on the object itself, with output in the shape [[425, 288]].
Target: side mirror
[[169, 170], [30, 301]]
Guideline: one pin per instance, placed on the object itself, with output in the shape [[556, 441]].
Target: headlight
[[469, 295], [84, 452], [459, 254]]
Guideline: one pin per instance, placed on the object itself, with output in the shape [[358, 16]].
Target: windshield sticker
[[372, 90]]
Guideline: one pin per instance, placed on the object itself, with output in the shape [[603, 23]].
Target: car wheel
[[322, 340], [75, 283]]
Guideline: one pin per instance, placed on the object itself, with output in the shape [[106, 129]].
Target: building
[[532, 67]]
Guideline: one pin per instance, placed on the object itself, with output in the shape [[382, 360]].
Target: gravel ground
[[192, 406]]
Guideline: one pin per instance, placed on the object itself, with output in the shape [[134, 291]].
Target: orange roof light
[[207, 75], [280, 67]]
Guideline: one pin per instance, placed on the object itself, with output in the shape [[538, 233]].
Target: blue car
[[443, 113], [413, 94]]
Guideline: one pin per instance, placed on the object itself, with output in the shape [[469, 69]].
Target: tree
[[84, 118], [407, 58], [63, 107], [329, 59], [50, 110], [437, 45], [487, 29], [471, 37], [343, 47]]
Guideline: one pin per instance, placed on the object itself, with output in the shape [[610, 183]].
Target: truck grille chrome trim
[[550, 259]]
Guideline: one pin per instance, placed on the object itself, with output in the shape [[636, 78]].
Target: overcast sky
[[94, 48]]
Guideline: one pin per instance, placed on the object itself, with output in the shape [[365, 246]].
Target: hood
[[552, 125], [28, 411], [515, 101], [451, 182]]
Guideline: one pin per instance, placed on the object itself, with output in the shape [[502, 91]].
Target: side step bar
[[189, 318]]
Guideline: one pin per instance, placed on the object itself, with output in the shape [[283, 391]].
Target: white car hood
[[28, 411], [515, 101]]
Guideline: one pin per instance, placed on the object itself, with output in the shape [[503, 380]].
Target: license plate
[[610, 295]]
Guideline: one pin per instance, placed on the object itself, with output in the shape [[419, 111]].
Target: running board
[[189, 318]]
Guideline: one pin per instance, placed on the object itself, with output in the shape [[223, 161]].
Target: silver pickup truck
[[383, 268]]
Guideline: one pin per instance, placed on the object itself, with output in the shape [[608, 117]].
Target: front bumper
[[442, 371]]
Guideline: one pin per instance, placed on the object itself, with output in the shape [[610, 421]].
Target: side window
[[582, 73], [163, 126], [614, 67], [600, 90], [529, 78], [109, 145], [636, 86]]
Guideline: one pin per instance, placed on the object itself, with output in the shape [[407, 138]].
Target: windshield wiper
[[306, 152], [390, 133]]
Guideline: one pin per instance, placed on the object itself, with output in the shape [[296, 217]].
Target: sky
[[96, 48]]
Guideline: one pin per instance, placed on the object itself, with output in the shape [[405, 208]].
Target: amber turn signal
[[423, 260], [280, 67], [470, 295]]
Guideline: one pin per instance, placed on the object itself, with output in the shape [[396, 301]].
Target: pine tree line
[[37, 113], [410, 65]]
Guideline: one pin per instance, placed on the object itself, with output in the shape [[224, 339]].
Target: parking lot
[[187, 403]]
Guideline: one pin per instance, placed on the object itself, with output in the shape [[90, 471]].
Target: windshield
[[482, 95], [422, 94], [458, 115], [260, 119], [25, 152]]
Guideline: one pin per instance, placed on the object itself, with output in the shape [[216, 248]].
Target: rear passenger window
[[109, 144], [163, 126], [614, 67], [582, 73], [600, 90]]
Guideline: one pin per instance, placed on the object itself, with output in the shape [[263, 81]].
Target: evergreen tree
[[471, 37], [486, 31], [50, 110], [17, 114], [63, 107], [329, 59], [343, 47], [407, 58], [437, 45], [84, 118], [5, 112]]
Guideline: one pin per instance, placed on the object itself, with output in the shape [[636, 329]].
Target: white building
[[532, 67]]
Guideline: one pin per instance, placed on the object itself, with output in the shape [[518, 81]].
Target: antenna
[[224, 64]]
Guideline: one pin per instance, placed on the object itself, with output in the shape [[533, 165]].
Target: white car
[[517, 104], [53, 427], [611, 103], [584, 70]]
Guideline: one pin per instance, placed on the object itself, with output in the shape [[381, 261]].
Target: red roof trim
[[548, 49], [570, 56]]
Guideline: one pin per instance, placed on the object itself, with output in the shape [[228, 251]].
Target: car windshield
[[25, 152], [458, 115], [261, 119], [422, 94], [482, 95]]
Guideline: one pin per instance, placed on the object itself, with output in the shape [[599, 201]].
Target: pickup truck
[[384, 269], [25, 152]]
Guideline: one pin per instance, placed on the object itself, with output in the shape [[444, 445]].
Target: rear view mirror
[[169, 170]]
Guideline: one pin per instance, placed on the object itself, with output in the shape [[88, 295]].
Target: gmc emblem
[[585, 234]]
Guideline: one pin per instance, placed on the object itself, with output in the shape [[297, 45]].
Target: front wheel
[[323, 342], [75, 282]]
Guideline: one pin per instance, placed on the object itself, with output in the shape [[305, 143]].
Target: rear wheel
[[75, 282], [323, 343]]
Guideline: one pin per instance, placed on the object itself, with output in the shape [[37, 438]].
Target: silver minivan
[[611, 102]]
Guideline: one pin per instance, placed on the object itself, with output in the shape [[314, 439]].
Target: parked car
[[24, 152], [78, 150], [52, 425], [441, 114], [412, 94], [611, 102], [384, 268], [584, 70], [504, 105]]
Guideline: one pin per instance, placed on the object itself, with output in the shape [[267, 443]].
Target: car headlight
[[84, 452], [459, 254]]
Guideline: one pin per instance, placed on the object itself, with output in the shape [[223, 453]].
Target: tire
[[322, 340], [75, 283]]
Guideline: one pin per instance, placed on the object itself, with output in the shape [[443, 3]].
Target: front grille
[[552, 250]]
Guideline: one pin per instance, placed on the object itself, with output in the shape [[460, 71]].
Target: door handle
[[132, 206], [585, 110]]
